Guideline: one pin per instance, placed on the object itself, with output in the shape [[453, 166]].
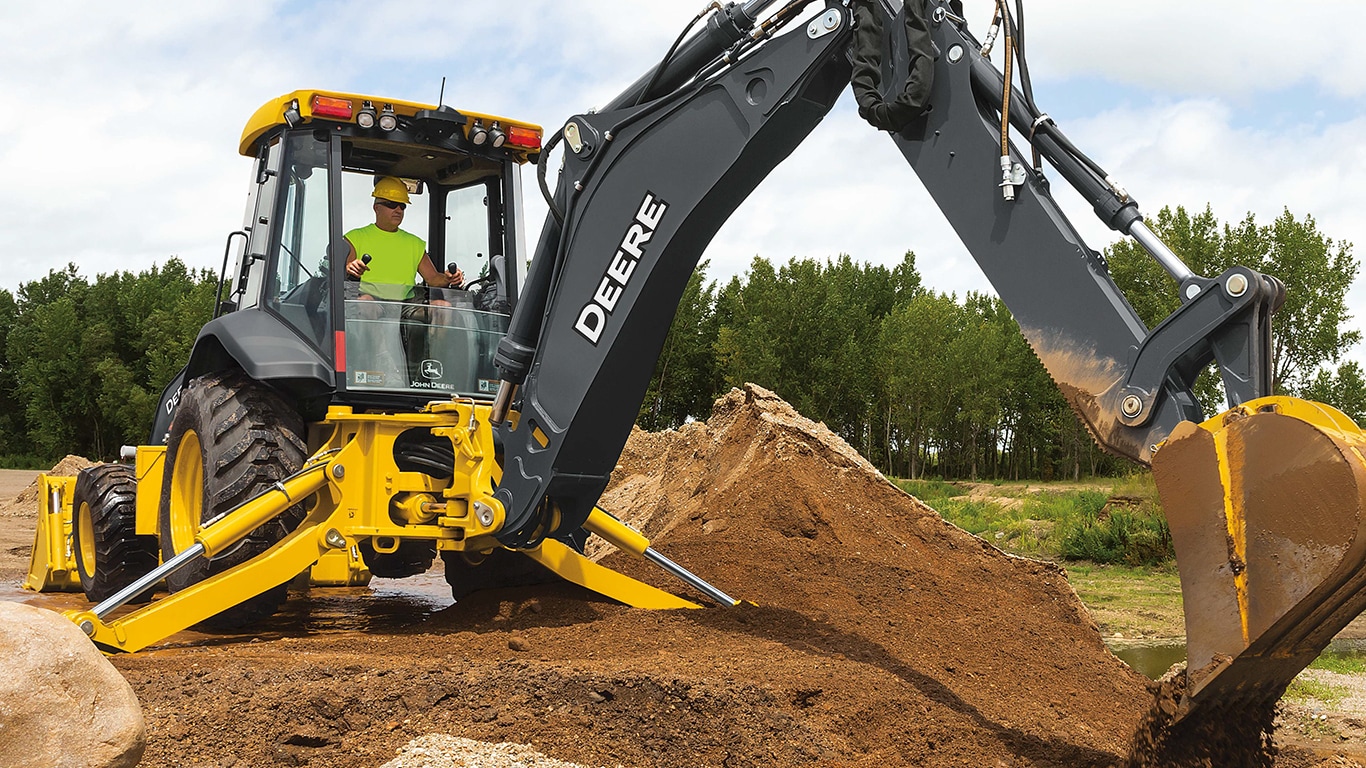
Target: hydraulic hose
[[668, 55], [541, 163]]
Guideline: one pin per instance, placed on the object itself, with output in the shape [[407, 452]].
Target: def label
[[593, 316]]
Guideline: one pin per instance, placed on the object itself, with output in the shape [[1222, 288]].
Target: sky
[[120, 148]]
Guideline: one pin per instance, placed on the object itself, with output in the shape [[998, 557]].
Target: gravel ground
[[442, 751]]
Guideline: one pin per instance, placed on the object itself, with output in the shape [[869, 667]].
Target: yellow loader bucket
[[1266, 509]]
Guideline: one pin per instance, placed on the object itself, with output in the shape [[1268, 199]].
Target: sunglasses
[[390, 204]]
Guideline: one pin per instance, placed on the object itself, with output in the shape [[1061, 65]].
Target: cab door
[[297, 284]]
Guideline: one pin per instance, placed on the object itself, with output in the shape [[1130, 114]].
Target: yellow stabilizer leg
[[160, 619], [1267, 508], [289, 557], [52, 566], [628, 539], [576, 568]]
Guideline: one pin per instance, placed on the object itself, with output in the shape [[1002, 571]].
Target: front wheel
[[231, 439], [109, 553]]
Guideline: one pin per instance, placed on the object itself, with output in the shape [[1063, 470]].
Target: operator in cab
[[396, 256]]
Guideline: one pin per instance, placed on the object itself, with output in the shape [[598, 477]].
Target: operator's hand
[[455, 279], [358, 267]]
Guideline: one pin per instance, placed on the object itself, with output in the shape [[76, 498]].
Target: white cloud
[[1230, 47], [126, 151]]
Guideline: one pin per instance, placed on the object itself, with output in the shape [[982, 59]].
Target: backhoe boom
[[648, 181]]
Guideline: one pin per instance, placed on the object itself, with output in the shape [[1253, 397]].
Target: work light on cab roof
[[390, 115]]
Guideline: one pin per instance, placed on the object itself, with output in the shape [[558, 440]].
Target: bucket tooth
[[1267, 515]]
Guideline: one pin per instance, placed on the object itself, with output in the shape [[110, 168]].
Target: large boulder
[[61, 702]]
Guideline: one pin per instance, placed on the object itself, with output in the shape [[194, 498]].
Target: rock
[[61, 702], [518, 644]]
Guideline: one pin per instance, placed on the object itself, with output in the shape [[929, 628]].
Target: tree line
[[84, 363], [923, 383]]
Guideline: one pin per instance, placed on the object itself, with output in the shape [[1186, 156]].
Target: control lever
[[364, 259]]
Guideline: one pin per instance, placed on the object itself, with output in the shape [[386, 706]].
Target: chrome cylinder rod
[[1159, 250], [719, 597], [502, 401], [147, 582]]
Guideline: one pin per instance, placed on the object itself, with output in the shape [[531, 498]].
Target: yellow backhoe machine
[[329, 426]]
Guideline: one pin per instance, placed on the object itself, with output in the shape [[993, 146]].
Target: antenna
[[442, 94]]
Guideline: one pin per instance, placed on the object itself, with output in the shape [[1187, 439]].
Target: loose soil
[[879, 635]]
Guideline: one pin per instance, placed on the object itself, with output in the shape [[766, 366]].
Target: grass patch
[[1123, 525], [1104, 533], [1341, 663], [1302, 689], [1132, 602], [1127, 527], [930, 491]]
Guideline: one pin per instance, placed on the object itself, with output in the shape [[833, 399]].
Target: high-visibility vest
[[394, 257]]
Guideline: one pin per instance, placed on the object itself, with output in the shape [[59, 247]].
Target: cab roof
[[524, 139]]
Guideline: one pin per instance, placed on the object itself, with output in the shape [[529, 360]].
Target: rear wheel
[[231, 438], [109, 554]]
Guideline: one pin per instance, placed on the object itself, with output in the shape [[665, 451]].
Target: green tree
[[1344, 389], [975, 358], [13, 422], [686, 380], [1309, 329], [917, 387], [88, 361], [808, 331]]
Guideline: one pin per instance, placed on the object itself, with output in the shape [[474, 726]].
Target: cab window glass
[[299, 285], [467, 229]]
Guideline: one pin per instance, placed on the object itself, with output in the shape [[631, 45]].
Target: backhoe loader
[[312, 431]]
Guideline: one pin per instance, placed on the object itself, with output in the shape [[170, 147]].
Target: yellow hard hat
[[391, 188]]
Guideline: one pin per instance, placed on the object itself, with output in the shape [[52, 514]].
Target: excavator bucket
[[1268, 519]]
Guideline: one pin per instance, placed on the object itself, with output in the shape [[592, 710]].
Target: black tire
[[413, 556], [231, 438], [501, 568], [109, 555]]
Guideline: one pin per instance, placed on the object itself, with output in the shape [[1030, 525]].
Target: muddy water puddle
[[1153, 659], [385, 606]]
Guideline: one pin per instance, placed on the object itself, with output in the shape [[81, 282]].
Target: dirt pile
[[960, 651], [882, 636], [25, 504]]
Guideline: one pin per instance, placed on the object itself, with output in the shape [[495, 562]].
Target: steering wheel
[[476, 284]]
